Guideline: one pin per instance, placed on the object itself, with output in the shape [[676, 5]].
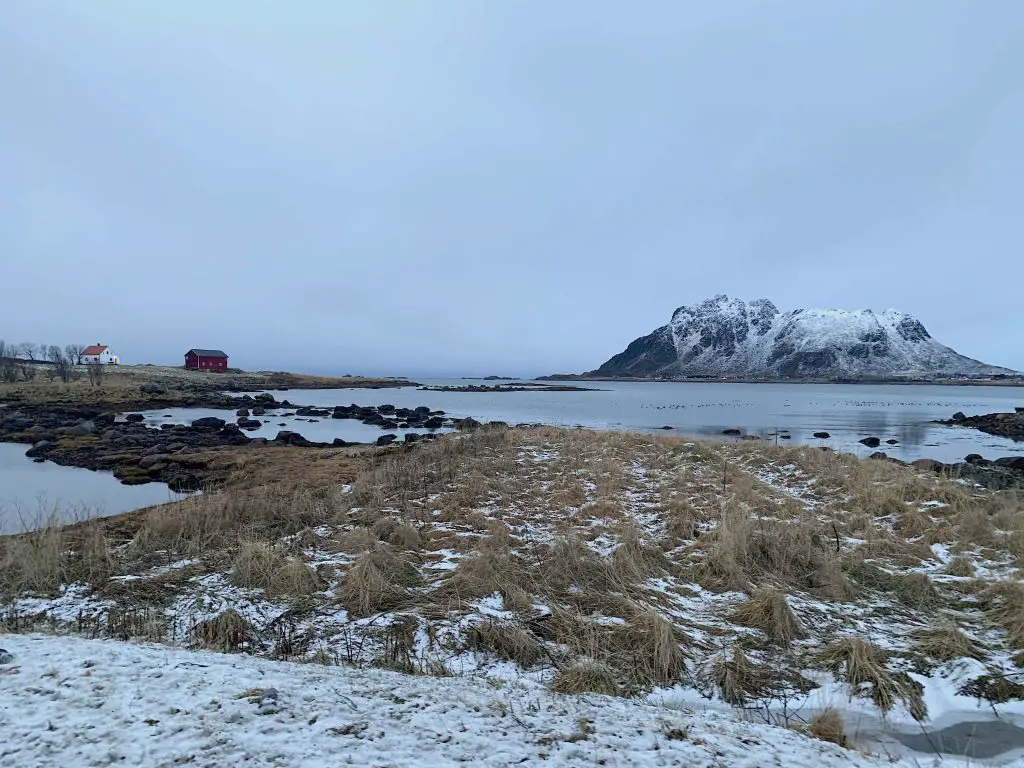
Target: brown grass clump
[[654, 645], [486, 572], [768, 610], [946, 642], [959, 566], [634, 560], [570, 564], [736, 678], [256, 566], [586, 677], [916, 590], [1004, 603], [828, 725], [296, 578], [33, 562], [227, 632], [357, 540], [862, 664], [397, 533], [378, 580], [507, 641]]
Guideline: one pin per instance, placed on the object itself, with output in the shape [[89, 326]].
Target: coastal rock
[[434, 422], [976, 459], [822, 435], [242, 413], [258, 411], [244, 423], [959, 416], [208, 423], [879, 455], [892, 441], [928, 465], [291, 438], [732, 432], [411, 437], [1016, 463], [870, 442], [134, 418], [386, 439]]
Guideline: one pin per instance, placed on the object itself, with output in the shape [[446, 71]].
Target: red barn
[[206, 360]]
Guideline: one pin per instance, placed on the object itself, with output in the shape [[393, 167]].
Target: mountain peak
[[729, 337]]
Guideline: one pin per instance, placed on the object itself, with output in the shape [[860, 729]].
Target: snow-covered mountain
[[724, 336]]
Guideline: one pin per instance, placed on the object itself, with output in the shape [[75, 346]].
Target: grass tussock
[[227, 632], [378, 580], [960, 566], [507, 641], [862, 666], [828, 725], [947, 642], [256, 566], [769, 611], [586, 677], [736, 678], [1004, 604]]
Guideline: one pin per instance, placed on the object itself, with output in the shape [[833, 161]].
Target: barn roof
[[95, 349], [209, 352]]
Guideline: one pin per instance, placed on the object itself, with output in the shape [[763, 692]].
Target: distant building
[[206, 360], [100, 353]]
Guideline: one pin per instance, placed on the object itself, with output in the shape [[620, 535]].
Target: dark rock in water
[[870, 442], [879, 455], [208, 423], [242, 413], [386, 439], [928, 465], [6, 657], [1016, 463], [134, 418], [822, 435], [1018, 409], [665, 427], [291, 438], [976, 458], [412, 437], [785, 437], [750, 437], [244, 423], [39, 460], [959, 416], [422, 409], [258, 411], [434, 422], [892, 441], [732, 432], [282, 424], [386, 408], [265, 397], [339, 443], [38, 449], [467, 424], [105, 419]]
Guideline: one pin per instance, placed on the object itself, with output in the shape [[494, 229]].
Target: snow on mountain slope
[[727, 336], [73, 702]]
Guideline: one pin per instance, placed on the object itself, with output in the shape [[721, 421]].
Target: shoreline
[[856, 382]]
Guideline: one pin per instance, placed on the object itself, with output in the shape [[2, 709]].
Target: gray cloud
[[504, 187]]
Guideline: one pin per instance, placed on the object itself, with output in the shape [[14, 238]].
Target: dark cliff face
[[649, 355], [724, 336]]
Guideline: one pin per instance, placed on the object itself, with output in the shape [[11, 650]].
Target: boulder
[[265, 397], [959, 416], [148, 462], [1016, 463], [134, 418], [879, 455], [386, 439], [434, 422], [928, 465], [38, 449], [242, 413], [386, 408], [339, 443], [467, 424], [208, 423], [892, 441], [290, 438], [421, 409], [732, 432], [870, 442], [822, 435], [258, 411], [975, 458], [785, 437], [412, 437], [665, 427], [244, 423]]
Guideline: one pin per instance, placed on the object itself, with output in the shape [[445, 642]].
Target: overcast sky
[[464, 187]]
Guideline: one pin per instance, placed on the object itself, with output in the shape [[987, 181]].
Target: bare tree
[[28, 372], [54, 353], [64, 369], [95, 373], [8, 365], [74, 353], [29, 349]]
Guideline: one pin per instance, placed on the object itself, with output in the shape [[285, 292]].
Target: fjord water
[[31, 493], [904, 413]]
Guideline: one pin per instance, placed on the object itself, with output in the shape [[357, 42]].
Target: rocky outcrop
[[1009, 425], [729, 337]]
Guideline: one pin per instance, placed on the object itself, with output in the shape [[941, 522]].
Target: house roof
[[95, 349], [209, 352]]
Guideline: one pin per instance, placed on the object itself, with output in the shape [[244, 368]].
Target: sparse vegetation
[[607, 562]]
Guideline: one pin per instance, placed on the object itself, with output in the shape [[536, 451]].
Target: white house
[[100, 353]]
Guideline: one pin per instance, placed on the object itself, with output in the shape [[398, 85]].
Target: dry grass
[[507, 641], [768, 610], [378, 580], [228, 633], [946, 642], [736, 679], [960, 566], [586, 677], [828, 725], [862, 664], [256, 566]]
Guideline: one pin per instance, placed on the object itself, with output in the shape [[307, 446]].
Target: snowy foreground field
[[517, 578], [72, 702]]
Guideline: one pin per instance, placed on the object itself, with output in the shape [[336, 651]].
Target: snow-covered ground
[[74, 702]]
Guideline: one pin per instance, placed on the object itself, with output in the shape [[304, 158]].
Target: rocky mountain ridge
[[723, 336]]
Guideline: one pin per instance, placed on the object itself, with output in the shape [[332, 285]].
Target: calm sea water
[[847, 412], [31, 493]]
